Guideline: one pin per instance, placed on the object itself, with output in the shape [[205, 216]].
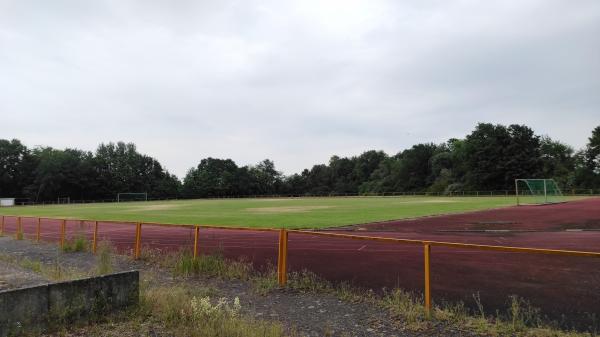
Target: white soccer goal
[[537, 192], [64, 200], [129, 196]]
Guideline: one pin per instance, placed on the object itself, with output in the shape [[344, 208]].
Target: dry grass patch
[[286, 209], [194, 313]]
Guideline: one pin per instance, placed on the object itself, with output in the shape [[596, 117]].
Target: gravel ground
[[13, 277], [309, 314]]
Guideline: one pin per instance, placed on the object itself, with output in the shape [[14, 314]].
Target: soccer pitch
[[273, 213]]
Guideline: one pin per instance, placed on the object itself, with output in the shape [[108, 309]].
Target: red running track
[[561, 286]]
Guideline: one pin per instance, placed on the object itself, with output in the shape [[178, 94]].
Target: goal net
[[537, 192], [122, 197], [63, 200]]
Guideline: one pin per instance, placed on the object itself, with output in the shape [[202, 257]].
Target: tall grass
[[520, 319], [104, 258], [185, 264], [54, 271], [192, 312], [76, 244], [264, 282]]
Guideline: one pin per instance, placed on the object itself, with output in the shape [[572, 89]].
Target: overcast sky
[[293, 81]]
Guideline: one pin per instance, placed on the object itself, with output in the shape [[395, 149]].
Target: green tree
[[121, 168], [63, 173], [212, 178], [495, 155], [16, 168], [557, 161], [587, 163], [267, 180]]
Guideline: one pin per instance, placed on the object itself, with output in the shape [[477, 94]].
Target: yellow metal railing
[[283, 243]]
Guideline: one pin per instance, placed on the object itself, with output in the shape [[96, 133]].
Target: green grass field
[[275, 213]]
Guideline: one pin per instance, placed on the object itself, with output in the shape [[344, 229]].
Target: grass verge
[[520, 319], [192, 312]]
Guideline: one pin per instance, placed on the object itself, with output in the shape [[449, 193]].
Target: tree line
[[489, 158]]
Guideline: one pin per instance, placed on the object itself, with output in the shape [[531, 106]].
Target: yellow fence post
[[138, 240], [38, 229], [63, 228], [285, 256], [427, 257], [279, 256], [19, 229], [196, 237], [95, 237], [282, 258]]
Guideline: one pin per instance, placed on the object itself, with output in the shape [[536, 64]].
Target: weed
[[77, 244], [477, 299], [185, 264], [104, 258], [54, 271], [406, 305], [34, 266], [265, 282], [149, 254], [522, 319], [191, 312], [308, 281]]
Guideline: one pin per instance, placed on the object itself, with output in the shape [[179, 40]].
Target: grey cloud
[[294, 81]]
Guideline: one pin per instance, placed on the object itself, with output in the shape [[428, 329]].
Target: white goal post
[[131, 196], [64, 200], [537, 191]]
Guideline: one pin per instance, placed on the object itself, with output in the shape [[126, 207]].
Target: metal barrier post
[[285, 257], [63, 228], [38, 229], [282, 258], [138, 240], [196, 237], [19, 230], [279, 254], [427, 257], [95, 238]]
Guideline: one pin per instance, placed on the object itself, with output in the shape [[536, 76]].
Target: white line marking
[[361, 248]]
